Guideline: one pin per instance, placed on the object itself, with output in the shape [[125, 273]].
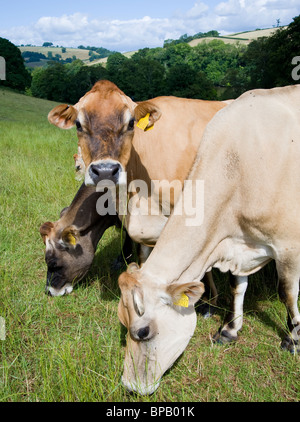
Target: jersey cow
[[248, 161], [111, 145], [71, 241]]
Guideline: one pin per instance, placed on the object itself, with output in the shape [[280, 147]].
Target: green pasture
[[72, 348]]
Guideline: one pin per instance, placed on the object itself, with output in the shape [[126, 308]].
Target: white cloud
[[125, 35], [197, 10], [255, 13], [62, 25]]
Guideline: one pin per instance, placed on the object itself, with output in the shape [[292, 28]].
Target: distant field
[[226, 40], [70, 349], [70, 52], [253, 35], [241, 37]]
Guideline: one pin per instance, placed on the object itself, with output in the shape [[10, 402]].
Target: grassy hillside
[[241, 37], [70, 52], [71, 348]]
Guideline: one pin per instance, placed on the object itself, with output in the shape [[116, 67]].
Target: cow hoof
[[290, 345], [206, 310], [223, 337]]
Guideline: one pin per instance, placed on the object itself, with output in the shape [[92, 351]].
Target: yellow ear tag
[[72, 240], [143, 123], [183, 301]]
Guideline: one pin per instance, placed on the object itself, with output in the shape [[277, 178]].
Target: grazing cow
[[71, 241], [248, 161]]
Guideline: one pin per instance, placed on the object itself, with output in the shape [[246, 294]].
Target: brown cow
[[161, 149], [71, 241], [111, 145]]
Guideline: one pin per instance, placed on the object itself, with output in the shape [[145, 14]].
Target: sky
[[128, 25]]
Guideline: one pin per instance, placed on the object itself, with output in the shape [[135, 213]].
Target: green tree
[[50, 83], [147, 78], [269, 60], [117, 71], [183, 81], [17, 76]]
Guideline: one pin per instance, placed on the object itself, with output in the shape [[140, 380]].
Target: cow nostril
[[95, 170], [115, 169], [143, 332]]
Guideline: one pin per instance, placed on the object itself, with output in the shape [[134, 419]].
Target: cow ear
[[132, 268], [185, 294], [138, 300], [127, 282], [70, 237], [146, 114], [63, 116], [45, 230]]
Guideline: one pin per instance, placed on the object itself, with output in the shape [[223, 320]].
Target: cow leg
[[234, 319], [208, 302], [128, 247], [126, 254], [288, 290], [144, 252]]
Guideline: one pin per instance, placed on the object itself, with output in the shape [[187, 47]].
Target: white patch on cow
[[65, 290], [49, 244], [127, 116], [88, 180]]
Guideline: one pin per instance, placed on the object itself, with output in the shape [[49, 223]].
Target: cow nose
[[105, 171], [143, 332]]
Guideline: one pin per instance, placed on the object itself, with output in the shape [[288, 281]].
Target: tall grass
[[71, 348]]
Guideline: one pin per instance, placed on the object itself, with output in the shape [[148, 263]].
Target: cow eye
[[78, 125], [131, 124]]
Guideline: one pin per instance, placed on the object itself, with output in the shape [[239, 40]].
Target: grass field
[[72, 348], [69, 53]]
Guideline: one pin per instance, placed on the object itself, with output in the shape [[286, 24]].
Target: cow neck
[[183, 253]]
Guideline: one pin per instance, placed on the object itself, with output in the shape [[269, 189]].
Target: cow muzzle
[[103, 170], [65, 290]]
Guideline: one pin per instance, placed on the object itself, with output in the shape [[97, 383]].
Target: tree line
[[211, 70]]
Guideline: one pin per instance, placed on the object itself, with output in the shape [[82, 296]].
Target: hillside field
[[243, 38], [71, 348]]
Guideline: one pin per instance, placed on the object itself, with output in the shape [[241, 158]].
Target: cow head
[[71, 241], [68, 257], [160, 320], [105, 119]]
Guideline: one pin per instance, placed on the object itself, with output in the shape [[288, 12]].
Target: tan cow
[[163, 150], [248, 162], [110, 144]]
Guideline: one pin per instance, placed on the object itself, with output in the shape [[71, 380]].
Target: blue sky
[[131, 24]]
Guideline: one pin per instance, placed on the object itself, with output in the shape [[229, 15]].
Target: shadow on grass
[[262, 288], [109, 262]]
